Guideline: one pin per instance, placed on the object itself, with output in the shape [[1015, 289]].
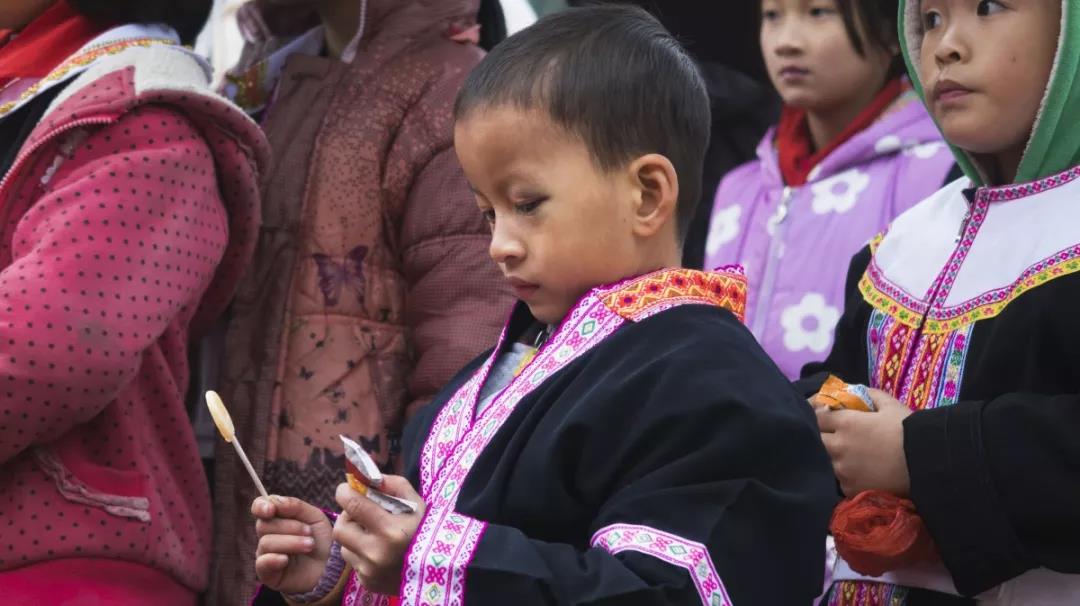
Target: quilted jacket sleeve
[[457, 299]]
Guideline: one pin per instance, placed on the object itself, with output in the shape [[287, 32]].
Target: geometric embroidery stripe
[[860, 593], [991, 304], [432, 571], [356, 595], [948, 388], [938, 363], [452, 423], [926, 370], [648, 295], [880, 295], [449, 544], [689, 555]]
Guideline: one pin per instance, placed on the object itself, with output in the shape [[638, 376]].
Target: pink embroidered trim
[[1022, 190], [675, 550], [356, 595], [444, 544]]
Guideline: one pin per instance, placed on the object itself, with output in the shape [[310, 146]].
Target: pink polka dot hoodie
[[125, 223]]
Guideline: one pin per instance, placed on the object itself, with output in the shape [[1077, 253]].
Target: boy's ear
[[656, 184]]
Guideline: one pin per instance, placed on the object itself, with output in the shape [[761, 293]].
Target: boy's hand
[[867, 448], [294, 543], [374, 541]]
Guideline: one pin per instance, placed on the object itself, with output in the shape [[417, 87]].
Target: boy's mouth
[[949, 90], [522, 289]]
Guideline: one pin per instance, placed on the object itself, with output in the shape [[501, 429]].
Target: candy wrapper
[[363, 476], [836, 394]]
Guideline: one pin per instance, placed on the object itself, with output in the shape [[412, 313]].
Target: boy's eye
[[931, 20], [528, 208], [820, 11], [770, 15], [989, 7], [489, 216]]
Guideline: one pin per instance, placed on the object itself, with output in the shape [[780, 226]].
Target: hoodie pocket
[[120, 493]]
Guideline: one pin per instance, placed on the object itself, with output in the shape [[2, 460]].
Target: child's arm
[[998, 485], [96, 278]]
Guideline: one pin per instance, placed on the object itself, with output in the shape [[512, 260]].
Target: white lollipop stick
[[225, 426]]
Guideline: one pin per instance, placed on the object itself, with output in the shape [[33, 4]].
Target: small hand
[[867, 448], [294, 543], [374, 541]]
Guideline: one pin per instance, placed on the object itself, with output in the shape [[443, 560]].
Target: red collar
[[795, 148], [45, 43]]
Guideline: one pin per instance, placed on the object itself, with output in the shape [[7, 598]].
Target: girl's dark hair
[[187, 17], [879, 20], [492, 24]]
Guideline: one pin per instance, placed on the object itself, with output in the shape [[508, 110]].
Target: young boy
[[963, 316], [626, 442]]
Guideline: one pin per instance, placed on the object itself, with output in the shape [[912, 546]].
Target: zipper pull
[[781, 213]]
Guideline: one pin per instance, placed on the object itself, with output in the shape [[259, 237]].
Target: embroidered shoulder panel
[[692, 556], [640, 298], [896, 303]]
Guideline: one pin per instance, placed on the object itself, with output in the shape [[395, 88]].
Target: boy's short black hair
[[611, 75], [187, 17], [879, 19]]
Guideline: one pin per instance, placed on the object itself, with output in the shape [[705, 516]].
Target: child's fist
[[374, 541], [294, 543]]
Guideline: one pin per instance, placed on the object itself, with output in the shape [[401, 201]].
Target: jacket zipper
[[778, 224], [21, 159]]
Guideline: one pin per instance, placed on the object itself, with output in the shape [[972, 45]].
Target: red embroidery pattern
[[646, 296]]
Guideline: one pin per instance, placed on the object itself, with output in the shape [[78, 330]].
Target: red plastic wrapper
[[877, 532]]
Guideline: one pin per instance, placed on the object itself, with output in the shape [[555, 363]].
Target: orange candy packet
[[837, 394]]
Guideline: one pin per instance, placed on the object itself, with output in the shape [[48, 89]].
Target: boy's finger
[[361, 509], [352, 537], [824, 416], [400, 487], [270, 567], [832, 444], [285, 544], [282, 526], [288, 507], [263, 508]]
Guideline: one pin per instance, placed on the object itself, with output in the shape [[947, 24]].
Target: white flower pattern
[[840, 193], [723, 229], [809, 324], [925, 151], [888, 143]]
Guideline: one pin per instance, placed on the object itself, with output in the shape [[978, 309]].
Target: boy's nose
[[505, 248]]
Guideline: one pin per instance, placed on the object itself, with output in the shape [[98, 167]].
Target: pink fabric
[[93, 582], [372, 285], [127, 226]]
